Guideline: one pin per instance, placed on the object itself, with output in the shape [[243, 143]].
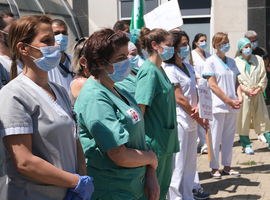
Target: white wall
[[230, 16], [70, 2], [102, 14]]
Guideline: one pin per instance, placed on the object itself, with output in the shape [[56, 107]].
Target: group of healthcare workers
[[133, 134]]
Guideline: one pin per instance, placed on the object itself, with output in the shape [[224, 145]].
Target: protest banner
[[166, 16], [205, 111]]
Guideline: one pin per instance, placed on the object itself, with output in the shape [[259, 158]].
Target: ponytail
[[143, 37], [13, 70]]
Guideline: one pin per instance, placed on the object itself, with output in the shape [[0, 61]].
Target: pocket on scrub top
[[167, 140], [44, 192]]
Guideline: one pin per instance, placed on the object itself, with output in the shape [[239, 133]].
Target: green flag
[[137, 21]]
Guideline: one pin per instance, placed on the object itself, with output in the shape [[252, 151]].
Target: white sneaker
[[204, 149], [262, 138]]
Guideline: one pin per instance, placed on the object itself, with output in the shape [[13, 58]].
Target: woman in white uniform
[[184, 80], [38, 126], [199, 57], [221, 73]]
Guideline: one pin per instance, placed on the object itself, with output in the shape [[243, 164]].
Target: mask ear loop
[[32, 46]]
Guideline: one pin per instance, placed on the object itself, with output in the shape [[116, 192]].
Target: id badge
[[135, 115]]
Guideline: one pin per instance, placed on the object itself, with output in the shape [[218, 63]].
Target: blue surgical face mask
[[247, 52], [121, 70], [203, 45], [62, 40], [134, 61], [225, 48], [51, 57], [184, 52], [254, 45], [167, 54]]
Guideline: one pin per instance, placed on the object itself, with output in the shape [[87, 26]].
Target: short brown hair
[[100, 47], [25, 30], [218, 39]]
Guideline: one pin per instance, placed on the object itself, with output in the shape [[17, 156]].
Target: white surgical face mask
[[51, 57]]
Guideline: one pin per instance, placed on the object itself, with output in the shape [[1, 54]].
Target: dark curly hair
[[100, 46]]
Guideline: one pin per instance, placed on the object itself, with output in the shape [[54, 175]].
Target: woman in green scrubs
[[112, 129], [155, 96]]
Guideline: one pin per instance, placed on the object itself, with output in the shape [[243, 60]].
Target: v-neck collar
[[115, 87], [225, 65], [47, 97]]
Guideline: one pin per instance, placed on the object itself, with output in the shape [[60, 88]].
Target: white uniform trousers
[[196, 184], [201, 136], [184, 166], [222, 131]]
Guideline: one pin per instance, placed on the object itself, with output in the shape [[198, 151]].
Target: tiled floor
[[254, 182]]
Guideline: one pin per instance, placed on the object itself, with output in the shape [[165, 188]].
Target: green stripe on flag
[[137, 21]]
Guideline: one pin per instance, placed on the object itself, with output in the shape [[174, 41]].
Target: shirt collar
[[225, 65]]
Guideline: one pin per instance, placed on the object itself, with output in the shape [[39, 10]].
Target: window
[[126, 8]]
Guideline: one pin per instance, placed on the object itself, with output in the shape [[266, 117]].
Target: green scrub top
[[155, 90], [128, 84], [106, 122]]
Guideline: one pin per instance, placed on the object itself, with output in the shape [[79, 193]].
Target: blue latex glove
[[83, 191]]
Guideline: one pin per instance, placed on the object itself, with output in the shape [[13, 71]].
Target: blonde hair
[[77, 53], [23, 30], [218, 39], [147, 36]]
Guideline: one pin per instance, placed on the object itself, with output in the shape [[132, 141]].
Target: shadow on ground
[[238, 197], [229, 185], [243, 169]]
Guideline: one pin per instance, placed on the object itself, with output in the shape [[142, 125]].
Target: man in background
[[62, 74]]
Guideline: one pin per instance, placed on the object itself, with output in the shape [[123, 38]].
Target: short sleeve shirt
[[198, 62], [188, 89], [27, 109], [156, 91], [226, 80], [106, 122], [55, 75]]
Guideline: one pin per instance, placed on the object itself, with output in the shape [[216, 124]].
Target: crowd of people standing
[[119, 118]]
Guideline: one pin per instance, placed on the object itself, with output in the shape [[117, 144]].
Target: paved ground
[[254, 182]]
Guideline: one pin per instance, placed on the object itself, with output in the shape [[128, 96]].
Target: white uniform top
[[188, 88], [60, 76], [26, 109], [198, 62], [7, 64], [226, 79]]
